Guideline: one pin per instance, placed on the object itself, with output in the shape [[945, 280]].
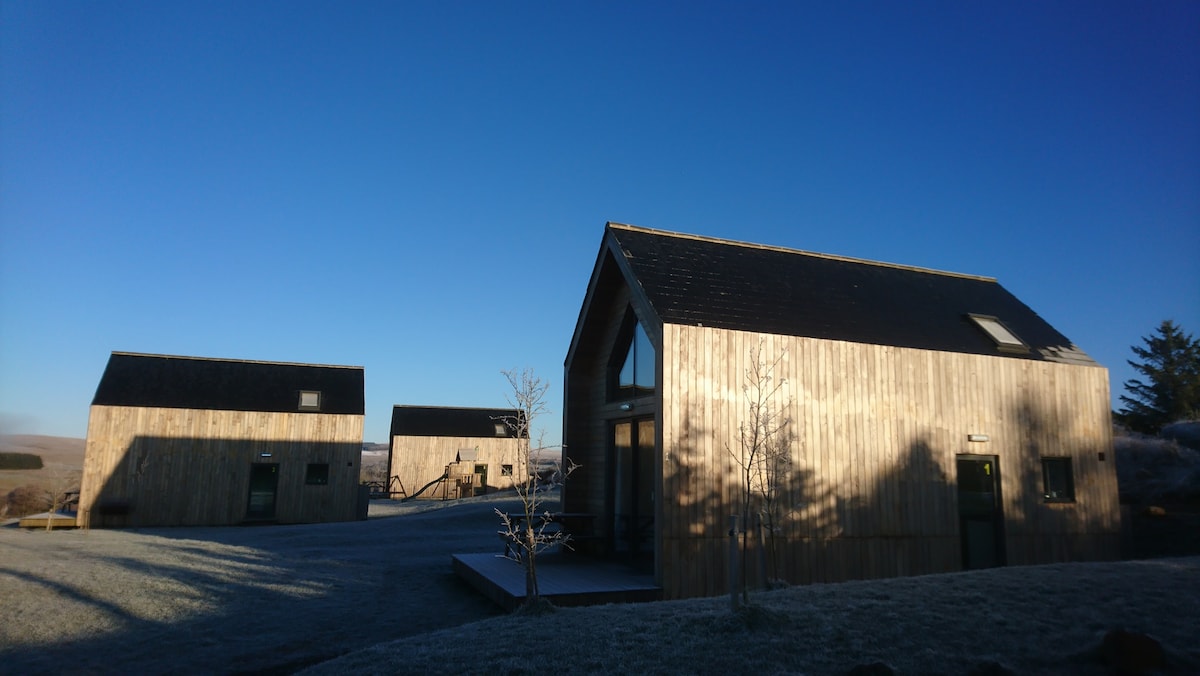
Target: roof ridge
[[456, 408], [231, 360], [782, 249]]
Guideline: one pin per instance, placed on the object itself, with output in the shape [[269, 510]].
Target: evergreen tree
[[1170, 363]]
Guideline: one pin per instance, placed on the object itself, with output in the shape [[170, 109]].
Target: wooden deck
[[563, 579], [58, 520]]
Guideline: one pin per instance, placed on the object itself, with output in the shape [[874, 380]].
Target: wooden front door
[[631, 517], [264, 482], [980, 512]]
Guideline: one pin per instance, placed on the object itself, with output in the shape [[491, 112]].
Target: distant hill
[[62, 459], [53, 450]]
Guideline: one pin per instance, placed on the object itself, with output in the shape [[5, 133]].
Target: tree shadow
[[896, 520], [1084, 527], [225, 600], [193, 481]]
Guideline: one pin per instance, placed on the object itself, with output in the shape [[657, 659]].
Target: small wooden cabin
[[445, 453], [934, 422], [190, 441]]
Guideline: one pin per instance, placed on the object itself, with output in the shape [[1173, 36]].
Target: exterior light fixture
[[264, 455], [977, 437], [626, 406]]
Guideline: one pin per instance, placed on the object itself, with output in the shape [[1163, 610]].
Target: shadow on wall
[[1088, 526], [900, 524], [904, 520], [163, 481]]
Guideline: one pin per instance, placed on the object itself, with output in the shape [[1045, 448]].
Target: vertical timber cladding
[[419, 460], [174, 441], [191, 467], [874, 432], [182, 467], [428, 441]]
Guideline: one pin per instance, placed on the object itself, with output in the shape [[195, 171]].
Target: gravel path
[[236, 600]]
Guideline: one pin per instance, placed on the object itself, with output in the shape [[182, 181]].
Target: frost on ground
[[219, 600], [278, 599], [1041, 619]]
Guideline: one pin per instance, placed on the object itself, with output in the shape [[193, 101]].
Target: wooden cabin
[[928, 421], [190, 441], [447, 453]]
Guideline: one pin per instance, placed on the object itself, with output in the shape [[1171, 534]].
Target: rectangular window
[[1005, 339], [310, 400], [317, 474], [1058, 484], [505, 470]]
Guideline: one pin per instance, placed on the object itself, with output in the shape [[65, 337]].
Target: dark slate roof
[[164, 381], [441, 421], [701, 281]]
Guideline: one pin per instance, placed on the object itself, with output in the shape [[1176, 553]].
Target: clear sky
[[420, 188]]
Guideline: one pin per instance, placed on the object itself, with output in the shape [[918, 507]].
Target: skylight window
[[1005, 339], [310, 400]]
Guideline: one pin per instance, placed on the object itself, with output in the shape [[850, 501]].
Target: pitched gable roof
[[700, 281], [153, 380], [442, 421]]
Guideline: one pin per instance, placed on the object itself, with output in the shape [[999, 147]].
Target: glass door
[[633, 486]]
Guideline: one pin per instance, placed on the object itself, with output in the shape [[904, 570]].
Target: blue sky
[[421, 188]]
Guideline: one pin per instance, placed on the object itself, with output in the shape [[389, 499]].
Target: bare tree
[[532, 531], [771, 485], [60, 482], [763, 454]]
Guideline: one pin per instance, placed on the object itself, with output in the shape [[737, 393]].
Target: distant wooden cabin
[[189, 441], [936, 422], [444, 453]]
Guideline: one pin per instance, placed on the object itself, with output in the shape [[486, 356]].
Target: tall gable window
[[633, 366]]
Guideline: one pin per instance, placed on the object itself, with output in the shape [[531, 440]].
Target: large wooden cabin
[[188, 441], [445, 452], [933, 421]]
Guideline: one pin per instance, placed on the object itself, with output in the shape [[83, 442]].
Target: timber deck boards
[[58, 520], [563, 579]]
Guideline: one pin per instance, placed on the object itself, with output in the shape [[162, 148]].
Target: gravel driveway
[[230, 600]]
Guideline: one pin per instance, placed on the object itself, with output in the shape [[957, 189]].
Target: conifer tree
[[1170, 364]]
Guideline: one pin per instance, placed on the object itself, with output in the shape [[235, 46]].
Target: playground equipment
[[459, 480]]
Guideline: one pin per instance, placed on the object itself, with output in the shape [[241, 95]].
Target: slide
[[445, 475]]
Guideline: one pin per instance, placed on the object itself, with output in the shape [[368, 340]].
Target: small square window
[[317, 474], [505, 470], [1058, 484], [501, 429], [310, 400]]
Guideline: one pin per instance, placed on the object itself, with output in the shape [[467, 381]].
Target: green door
[[264, 482], [980, 513]]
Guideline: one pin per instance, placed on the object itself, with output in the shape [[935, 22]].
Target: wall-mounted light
[[977, 437], [626, 406], [264, 455]]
